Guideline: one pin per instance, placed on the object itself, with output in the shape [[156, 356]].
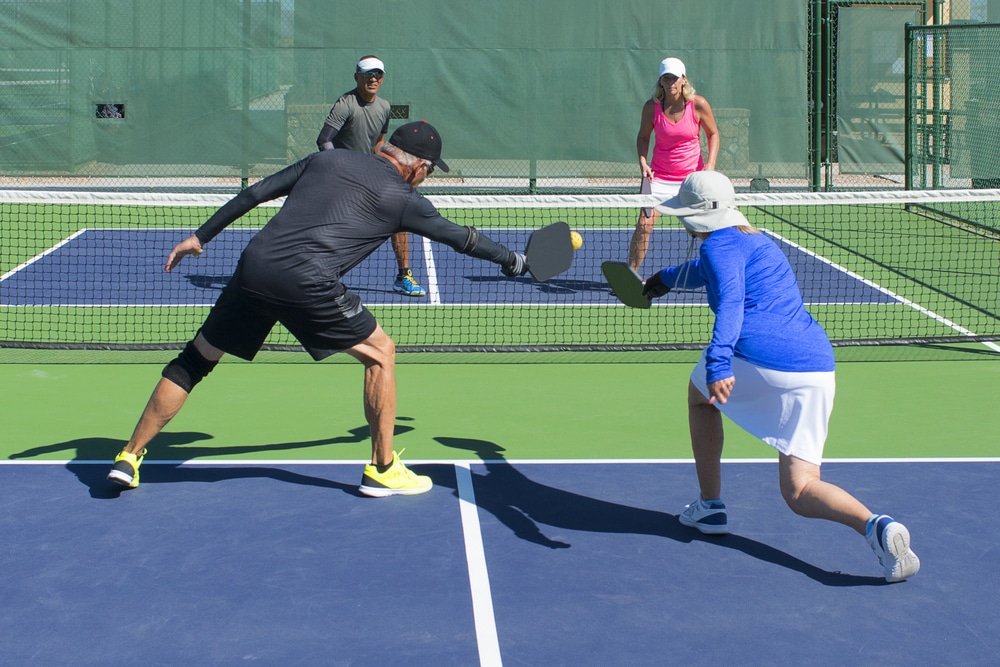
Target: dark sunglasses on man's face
[[373, 74]]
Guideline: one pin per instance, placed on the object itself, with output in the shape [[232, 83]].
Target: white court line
[[479, 579], [464, 463], [34, 259], [432, 278], [920, 309]]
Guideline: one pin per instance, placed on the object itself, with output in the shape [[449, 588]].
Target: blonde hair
[[748, 229], [687, 90]]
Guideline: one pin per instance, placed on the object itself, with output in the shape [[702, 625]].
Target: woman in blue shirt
[[769, 367]]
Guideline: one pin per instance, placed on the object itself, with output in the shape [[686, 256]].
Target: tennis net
[[85, 271]]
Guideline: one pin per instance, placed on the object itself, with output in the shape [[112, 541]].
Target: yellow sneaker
[[125, 471], [398, 480]]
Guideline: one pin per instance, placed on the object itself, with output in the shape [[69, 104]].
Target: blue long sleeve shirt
[[759, 313]]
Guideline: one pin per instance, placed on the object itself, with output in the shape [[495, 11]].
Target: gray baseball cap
[[706, 202]]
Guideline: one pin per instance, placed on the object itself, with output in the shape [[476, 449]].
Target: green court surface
[[943, 406]]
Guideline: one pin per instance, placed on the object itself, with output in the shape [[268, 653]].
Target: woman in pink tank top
[[676, 117]]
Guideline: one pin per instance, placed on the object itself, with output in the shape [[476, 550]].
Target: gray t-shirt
[[358, 124]]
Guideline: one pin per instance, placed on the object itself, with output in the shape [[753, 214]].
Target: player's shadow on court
[[553, 285], [207, 282], [172, 449], [522, 504]]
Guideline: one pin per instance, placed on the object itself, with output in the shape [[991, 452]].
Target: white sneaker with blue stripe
[[890, 540], [710, 518]]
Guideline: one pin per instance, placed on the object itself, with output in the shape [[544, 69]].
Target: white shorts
[[789, 411], [664, 189]]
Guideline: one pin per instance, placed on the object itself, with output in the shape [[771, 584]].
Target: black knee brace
[[189, 368]]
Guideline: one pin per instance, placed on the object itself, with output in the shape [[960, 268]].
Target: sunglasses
[[373, 74]]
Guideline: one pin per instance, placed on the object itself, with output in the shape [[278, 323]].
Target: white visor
[[368, 64]]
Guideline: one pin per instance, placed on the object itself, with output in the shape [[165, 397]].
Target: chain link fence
[[953, 98]]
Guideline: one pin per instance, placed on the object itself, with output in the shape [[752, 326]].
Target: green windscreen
[[870, 88], [218, 91]]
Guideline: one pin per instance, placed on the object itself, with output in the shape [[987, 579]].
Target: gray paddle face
[[549, 251], [626, 284], [646, 189]]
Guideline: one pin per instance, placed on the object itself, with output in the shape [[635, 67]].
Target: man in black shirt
[[340, 206]]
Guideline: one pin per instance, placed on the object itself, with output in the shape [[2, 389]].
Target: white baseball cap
[[706, 202], [369, 64], [672, 66]]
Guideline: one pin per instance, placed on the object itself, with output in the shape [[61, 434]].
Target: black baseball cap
[[421, 140]]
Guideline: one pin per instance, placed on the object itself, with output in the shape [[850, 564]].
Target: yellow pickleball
[[576, 240]]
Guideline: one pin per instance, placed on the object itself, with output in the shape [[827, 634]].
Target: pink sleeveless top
[[677, 150]]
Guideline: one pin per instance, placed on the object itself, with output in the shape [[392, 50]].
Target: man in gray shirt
[[359, 121]]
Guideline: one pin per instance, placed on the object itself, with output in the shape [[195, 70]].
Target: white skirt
[[789, 411], [664, 189]]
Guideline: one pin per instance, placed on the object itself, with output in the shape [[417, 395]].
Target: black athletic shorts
[[239, 323]]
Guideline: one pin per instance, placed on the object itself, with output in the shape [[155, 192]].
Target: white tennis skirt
[[789, 411], [665, 189]]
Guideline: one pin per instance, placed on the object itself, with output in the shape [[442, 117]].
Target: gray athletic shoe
[[890, 540]]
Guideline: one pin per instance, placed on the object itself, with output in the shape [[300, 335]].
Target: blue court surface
[[120, 267], [515, 563]]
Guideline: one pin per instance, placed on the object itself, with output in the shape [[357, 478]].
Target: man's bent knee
[[376, 350], [189, 368]]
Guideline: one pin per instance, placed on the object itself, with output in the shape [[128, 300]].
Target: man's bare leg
[[378, 354], [386, 475], [401, 247], [165, 402]]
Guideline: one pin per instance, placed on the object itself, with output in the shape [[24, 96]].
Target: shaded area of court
[[281, 563]]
